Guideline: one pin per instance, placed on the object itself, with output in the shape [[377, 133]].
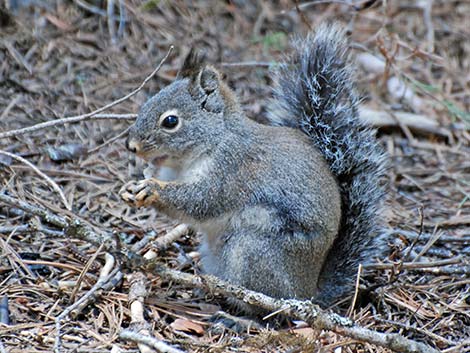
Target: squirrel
[[288, 208]]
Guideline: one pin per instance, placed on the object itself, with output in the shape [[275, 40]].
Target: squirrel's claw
[[141, 193]]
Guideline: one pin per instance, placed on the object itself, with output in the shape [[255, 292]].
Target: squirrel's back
[[315, 93]]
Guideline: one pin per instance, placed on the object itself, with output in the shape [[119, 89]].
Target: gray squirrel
[[288, 208]]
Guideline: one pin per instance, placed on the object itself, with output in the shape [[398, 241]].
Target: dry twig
[[68, 120], [51, 182], [148, 341], [163, 242], [93, 114], [411, 265], [107, 280], [137, 294], [140, 328]]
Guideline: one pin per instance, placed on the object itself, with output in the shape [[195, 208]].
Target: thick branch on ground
[[138, 291], [72, 228], [302, 310], [415, 122], [148, 341]]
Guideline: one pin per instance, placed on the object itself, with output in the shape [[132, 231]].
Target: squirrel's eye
[[170, 122]]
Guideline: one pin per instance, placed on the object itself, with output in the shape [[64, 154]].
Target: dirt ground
[[62, 59]]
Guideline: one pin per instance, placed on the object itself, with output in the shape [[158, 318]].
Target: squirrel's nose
[[133, 145]]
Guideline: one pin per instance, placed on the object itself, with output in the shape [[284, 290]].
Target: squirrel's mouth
[[153, 158]]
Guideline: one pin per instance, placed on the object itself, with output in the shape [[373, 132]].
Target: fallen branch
[[170, 237], [89, 264], [137, 294], [148, 341], [416, 122], [140, 327], [413, 265], [306, 311], [68, 120], [71, 228], [426, 237], [165, 241], [107, 279], [448, 271]]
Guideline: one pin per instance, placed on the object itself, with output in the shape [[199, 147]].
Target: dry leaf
[[187, 326], [306, 332]]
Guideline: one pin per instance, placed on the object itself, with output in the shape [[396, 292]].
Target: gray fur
[[269, 198]]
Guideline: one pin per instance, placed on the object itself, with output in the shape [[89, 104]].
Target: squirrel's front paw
[[142, 193]]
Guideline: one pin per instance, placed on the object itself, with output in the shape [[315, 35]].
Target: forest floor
[[63, 59]]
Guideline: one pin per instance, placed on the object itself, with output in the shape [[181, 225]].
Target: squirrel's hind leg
[[259, 262]]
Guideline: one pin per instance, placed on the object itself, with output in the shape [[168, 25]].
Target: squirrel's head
[[187, 118]]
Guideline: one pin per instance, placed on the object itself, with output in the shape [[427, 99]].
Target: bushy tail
[[315, 93]]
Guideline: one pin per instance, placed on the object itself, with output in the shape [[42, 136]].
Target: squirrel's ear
[[207, 85], [205, 81], [209, 79], [193, 63]]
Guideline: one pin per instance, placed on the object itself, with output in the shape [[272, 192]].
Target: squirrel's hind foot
[[223, 320]]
